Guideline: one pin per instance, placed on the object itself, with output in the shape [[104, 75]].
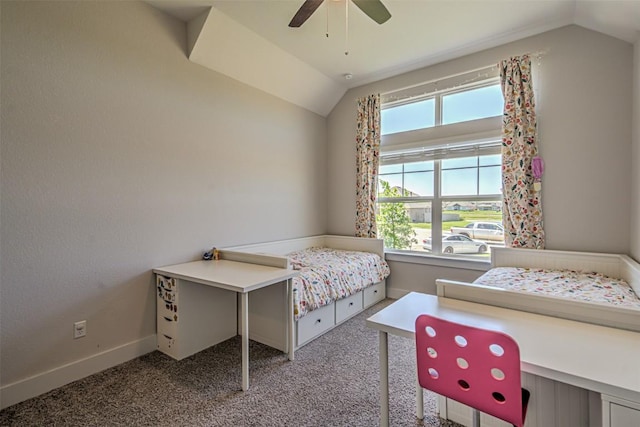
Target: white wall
[[583, 106], [635, 158], [119, 155]]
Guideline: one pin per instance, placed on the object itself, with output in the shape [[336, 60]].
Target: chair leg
[[419, 402], [475, 418]]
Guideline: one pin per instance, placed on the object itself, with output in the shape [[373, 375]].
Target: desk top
[[235, 276], [598, 358]]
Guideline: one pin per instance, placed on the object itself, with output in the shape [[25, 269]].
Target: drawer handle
[[319, 320], [375, 292], [350, 304]]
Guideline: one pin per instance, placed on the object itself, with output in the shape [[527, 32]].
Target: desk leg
[[244, 308], [384, 379], [290, 320]]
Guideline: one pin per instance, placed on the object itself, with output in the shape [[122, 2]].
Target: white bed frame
[[268, 306], [553, 403], [613, 265]]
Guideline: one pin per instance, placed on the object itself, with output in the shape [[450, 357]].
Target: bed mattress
[[570, 284], [327, 275]]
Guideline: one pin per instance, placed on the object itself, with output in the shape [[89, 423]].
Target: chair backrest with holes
[[474, 366]]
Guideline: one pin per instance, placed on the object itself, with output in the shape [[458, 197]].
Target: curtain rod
[[486, 67], [537, 54]]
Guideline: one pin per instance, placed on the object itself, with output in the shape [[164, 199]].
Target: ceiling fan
[[374, 9]]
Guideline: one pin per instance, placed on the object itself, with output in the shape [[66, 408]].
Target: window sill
[[439, 261]]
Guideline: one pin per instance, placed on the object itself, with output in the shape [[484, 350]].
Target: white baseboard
[[36, 385]]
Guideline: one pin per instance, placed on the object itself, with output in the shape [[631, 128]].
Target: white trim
[[449, 151], [438, 261], [36, 385], [478, 131]]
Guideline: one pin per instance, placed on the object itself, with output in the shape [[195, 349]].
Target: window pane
[[390, 169], [404, 225], [393, 187], [418, 166], [462, 162], [419, 183], [490, 180], [472, 104], [495, 159], [417, 115], [459, 182], [481, 222]]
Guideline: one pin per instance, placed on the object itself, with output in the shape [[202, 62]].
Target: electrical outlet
[[79, 329]]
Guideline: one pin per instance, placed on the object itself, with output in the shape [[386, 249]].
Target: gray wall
[[635, 158], [119, 155], [583, 104]]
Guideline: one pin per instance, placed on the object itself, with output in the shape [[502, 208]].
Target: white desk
[[238, 277], [597, 358]]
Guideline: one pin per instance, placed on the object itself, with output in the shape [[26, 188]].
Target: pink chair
[[477, 367]]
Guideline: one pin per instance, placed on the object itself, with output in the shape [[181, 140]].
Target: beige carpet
[[333, 382]]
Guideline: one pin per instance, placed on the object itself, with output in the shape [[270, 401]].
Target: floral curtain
[[522, 211], [367, 160]]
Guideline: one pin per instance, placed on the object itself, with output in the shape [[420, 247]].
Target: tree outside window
[[394, 223]]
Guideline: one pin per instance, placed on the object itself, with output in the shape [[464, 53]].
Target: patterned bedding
[[328, 274], [577, 285]]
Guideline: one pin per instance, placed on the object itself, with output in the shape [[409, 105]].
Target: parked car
[[481, 230], [458, 244]]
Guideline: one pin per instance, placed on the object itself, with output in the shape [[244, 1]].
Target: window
[[454, 200], [443, 195], [486, 101], [405, 117], [444, 108]]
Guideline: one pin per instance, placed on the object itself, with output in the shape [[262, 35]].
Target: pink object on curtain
[[522, 209], [537, 166], [367, 161]]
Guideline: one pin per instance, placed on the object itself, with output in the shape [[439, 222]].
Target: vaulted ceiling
[[339, 47]]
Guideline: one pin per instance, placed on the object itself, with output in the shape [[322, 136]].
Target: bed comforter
[[576, 285], [327, 275]]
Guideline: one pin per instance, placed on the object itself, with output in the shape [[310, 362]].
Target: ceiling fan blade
[[305, 11], [374, 9]]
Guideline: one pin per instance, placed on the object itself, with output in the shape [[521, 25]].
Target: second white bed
[[617, 307]]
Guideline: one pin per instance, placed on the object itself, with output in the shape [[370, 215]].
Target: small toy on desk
[[213, 254]]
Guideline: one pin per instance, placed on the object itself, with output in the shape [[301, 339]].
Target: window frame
[[473, 133]]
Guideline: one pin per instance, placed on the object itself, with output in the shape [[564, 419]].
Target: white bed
[[553, 403], [612, 265], [268, 306]]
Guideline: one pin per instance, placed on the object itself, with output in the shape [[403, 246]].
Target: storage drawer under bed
[[315, 323], [347, 307], [374, 294], [319, 321]]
